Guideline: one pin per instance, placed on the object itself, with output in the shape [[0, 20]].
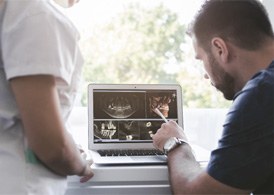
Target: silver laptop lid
[[120, 115]]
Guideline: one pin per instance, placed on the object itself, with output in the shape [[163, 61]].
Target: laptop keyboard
[[146, 152]]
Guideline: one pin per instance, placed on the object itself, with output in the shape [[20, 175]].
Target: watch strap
[[178, 142], [181, 141]]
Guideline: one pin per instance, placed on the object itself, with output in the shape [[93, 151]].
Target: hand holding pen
[[157, 111]]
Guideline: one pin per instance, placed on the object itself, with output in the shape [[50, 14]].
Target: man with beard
[[235, 42]]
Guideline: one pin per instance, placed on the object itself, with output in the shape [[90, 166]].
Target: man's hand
[[186, 175], [167, 130]]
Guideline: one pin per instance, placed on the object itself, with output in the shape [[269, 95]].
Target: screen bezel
[[124, 145]]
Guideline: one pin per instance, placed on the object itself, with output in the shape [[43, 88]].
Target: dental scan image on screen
[[129, 116]]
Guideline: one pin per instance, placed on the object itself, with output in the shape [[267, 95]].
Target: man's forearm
[[183, 169]]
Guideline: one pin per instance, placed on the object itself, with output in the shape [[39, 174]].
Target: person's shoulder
[[26, 7], [16, 11], [264, 79], [258, 90], [35, 14]]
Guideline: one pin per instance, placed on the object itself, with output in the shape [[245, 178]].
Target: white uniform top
[[36, 38]]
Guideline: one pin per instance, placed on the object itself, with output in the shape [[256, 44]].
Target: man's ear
[[219, 49]]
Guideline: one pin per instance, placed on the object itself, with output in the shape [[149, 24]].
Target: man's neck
[[251, 62]]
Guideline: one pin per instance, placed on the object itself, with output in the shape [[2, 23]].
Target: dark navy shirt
[[245, 152]]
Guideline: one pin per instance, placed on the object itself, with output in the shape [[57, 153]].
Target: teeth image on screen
[[119, 106]]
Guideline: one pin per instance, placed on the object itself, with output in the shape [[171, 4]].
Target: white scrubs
[[36, 38]]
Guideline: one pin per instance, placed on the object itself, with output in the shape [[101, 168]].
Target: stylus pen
[[157, 111]]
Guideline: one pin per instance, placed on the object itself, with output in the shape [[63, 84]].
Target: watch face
[[169, 143]]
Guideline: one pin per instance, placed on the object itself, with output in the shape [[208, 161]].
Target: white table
[[131, 179]]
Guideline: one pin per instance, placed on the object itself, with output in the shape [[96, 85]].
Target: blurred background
[[144, 41]]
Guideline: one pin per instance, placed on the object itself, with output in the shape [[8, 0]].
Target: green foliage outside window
[[145, 45]]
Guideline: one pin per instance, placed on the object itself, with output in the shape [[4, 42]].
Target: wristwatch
[[172, 143]]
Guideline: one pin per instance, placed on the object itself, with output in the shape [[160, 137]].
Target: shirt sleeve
[[40, 43], [244, 157]]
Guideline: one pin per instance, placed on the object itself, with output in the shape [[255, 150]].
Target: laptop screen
[[126, 115]]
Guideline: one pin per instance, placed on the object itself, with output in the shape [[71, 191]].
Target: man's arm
[[38, 104], [186, 175]]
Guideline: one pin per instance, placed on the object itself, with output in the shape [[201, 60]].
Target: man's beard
[[223, 81]]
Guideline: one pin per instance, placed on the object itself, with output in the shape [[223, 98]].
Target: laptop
[[122, 121]]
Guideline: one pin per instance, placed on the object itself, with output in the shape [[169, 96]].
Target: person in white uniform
[[40, 67]]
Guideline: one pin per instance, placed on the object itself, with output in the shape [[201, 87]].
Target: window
[[144, 41]]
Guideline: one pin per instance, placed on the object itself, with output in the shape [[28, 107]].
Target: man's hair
[[245, 23]]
